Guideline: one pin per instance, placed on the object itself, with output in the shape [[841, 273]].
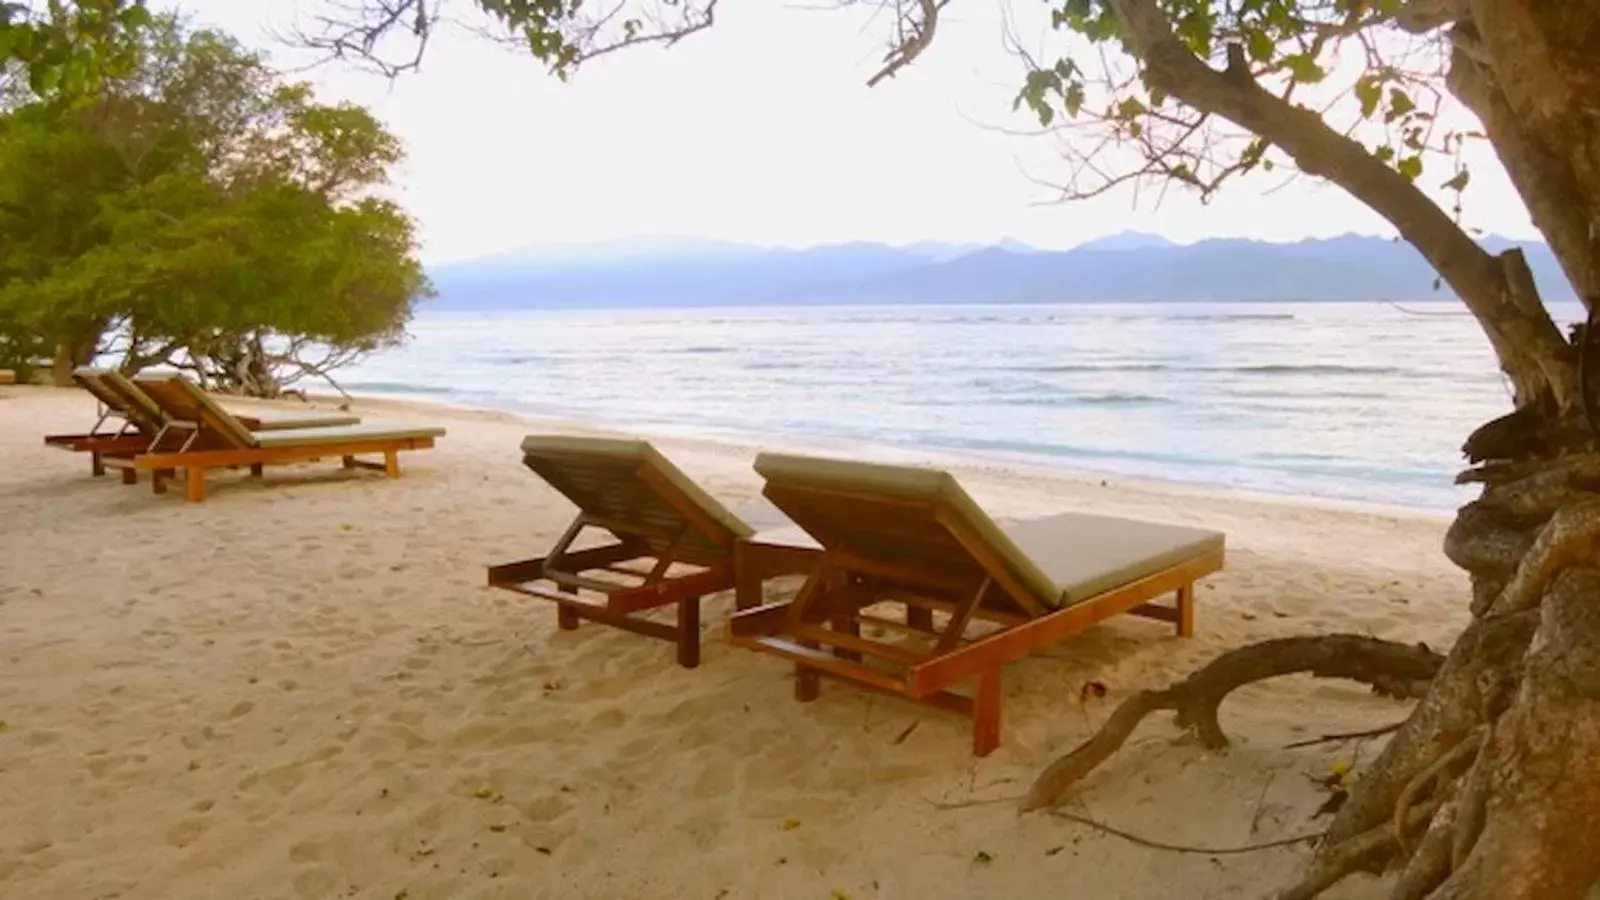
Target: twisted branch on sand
[[1393, 669]]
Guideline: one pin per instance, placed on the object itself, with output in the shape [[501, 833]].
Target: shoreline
[[955, 461], [302, 688]]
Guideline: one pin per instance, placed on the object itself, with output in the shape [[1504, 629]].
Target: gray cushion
[[341, 434], [1088, 555], [568, 450]]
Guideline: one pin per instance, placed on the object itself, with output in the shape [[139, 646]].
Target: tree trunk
[[1520, 691]]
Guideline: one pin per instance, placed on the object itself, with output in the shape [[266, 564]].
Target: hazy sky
[[762, 130]]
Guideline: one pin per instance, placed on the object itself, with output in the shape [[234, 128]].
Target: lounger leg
[[689, 632], [986, 713], [807, 683], [349, 462], [746, 578], [256, 469], [158, 480], [130, 476], [919, 617], [194, 484], [566, 619], [845, 625], [391, 463], [1186, 611], [97, 466]]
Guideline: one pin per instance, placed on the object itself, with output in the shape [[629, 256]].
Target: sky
[[762, 130]]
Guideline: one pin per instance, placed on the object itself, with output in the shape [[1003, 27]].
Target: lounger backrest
[[138, 405], [182, 400], [94, 381], [632, 488], [913, 518]]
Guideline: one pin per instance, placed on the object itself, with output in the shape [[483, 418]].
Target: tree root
[[1440, 770], [1395, 669], [1365, 851]]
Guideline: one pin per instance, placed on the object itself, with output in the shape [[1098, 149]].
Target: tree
[[197, 210], [70, 45], [1490, 787]]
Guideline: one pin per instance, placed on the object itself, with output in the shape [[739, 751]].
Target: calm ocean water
[[1360, 402]]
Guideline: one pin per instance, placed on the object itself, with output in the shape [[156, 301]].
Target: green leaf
[[1458, 182], [1073, 98], [1368, 91], [1410, 167], [1259, 45], [1303, 68], [1400, 104]]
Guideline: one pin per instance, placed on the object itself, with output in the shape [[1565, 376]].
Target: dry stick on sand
[[1396, 670], [1345, 736]]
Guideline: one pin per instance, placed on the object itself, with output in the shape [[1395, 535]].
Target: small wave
[[1081, 367], [399, 387], [1230, 317], [1117, 398], [700, 351], [769, 366], [1314, 369]]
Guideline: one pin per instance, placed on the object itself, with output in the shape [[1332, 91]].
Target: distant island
[[665, 273]]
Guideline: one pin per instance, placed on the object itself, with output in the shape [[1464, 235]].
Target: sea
[[1365, 402]]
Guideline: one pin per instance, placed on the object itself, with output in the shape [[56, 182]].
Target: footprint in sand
[[316, 883], [305, 852], [185, 833], [242, 708]]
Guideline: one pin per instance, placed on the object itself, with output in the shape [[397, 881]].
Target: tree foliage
[[200, 211], [69, 46]]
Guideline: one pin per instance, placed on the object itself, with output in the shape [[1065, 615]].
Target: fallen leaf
[[497, 828], [840, 895], [1053, 851], [483, 793], [1092, 690], [982, 857], [544, 850], [3, 726], [791, 824]]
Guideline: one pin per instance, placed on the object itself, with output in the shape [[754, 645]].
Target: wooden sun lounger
[[670, 543], [202, 435], [913, 537], [143, 422]]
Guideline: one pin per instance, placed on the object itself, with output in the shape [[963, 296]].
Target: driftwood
[[1393, 669]]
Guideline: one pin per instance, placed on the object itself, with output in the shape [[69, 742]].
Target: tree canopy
[[196, 209]]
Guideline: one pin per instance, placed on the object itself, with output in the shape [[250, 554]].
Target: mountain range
[[661, 273]]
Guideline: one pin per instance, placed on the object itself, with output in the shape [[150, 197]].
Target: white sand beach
[[302, 688]]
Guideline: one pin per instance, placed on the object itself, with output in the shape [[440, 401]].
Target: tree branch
[[1520, 338]]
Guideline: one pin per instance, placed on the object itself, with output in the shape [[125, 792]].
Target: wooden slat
[[1020, 640], [825, 662], [993, 564], [881, 649], [210, 459], [671, 590], [767, 618], [581, 560]]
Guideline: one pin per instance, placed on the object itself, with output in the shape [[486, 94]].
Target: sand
[[302, 689]]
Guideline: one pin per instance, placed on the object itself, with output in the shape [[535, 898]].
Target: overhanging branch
[[1526, 341]]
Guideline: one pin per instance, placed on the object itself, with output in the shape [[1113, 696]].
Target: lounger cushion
[[573, 450], [279, 420], [345, 434], [918, 485], [1088, 555]]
